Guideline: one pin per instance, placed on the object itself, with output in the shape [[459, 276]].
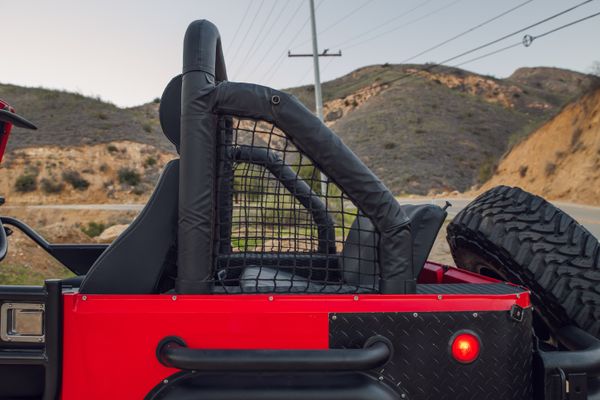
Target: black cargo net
[[282, 226]]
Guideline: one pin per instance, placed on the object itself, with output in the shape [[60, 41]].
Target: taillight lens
[[465, 347]]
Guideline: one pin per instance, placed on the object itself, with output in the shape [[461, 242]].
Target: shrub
[[76, 180], [550, 168], [523, 171], [51, 186], [129, 177], [156, 100], [147, 128], [112, 148], [389, 145], [93, 229], [149, 162], [103, 167], [26, 183], [486, 169], [102, 116]]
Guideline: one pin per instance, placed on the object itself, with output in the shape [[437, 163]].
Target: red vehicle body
[[298, 322]]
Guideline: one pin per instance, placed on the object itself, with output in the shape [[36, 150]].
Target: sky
[[125, 51]]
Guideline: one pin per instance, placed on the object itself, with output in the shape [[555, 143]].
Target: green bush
[[147, 128], [149, 162], [93, 229], [156, 100], [76, 180], [51, 186], [26, 183], [129, 177], [112, 148]]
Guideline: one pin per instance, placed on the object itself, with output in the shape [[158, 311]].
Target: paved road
[[588, 216]]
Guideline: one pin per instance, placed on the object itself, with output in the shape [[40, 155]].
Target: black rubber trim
[[172, 353], [273, 386]]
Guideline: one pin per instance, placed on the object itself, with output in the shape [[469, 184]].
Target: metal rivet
[[270, 298], [165, 381], [275, 99], [439, 296], [403, 395], [415, 315], [380, 378], [475, 315], [40, 339], [334, 317], [174, 298], [518, 296], [84, 298], [355, 298]]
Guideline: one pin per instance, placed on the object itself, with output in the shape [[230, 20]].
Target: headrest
[[169, 111]]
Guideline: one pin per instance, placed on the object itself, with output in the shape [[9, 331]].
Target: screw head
[[475, 315], [415, 315], [174, 298], [439, 297], [270, 298], [355, 298], [84, 298], [165, 381], [334, 317]]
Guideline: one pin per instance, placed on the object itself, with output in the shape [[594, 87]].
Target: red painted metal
[[110, 340], [7, 129]]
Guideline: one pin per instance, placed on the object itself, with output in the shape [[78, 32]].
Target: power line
[[345, 17], [515, 32], [275, 66], [277, 38], [239, 26], [262, 28], [389, 21], [248, 31], [528, 39], [429, 14], [437, 46]]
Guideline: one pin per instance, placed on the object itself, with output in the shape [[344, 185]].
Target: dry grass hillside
[[422, 130], [115, 172], [428, 131], [561, 160]]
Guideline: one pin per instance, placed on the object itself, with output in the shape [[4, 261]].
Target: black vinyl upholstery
[[134, 263]]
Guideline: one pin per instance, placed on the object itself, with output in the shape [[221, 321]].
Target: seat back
[[359, 259], [135, 261]]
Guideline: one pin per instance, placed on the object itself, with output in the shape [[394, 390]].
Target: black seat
[[358, 259], [134, 263]]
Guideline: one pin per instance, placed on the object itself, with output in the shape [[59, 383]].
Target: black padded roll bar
[[296, 186], [202, 101], [203, 65], [172, 352], [340, 164]]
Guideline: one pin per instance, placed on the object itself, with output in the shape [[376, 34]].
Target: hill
[[70, 119], [430, 131], [561, 160], [421, 129]]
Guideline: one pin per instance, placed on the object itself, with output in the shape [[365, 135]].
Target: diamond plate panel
[[422, 366]]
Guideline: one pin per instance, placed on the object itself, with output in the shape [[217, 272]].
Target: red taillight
[[465, 348]]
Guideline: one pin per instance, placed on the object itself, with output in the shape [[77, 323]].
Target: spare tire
[[517, 236]]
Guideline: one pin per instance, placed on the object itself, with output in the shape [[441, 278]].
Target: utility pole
[[315, 55]]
